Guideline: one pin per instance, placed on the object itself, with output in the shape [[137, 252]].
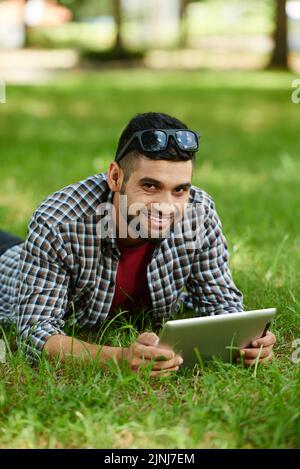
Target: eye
[[149, 186], [180, 191]]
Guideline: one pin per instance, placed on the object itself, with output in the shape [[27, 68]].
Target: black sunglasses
[[153, 140]]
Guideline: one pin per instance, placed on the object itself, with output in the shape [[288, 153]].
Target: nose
[[163, 208]]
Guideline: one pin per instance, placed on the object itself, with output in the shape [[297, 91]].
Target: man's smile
[[159, 221]]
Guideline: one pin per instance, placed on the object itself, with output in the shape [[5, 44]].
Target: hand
[[145, 350], [265, 353]]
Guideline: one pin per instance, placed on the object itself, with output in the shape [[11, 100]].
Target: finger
[[149, 352], [164, 347], [138, 363], [151, 339], [269, 339], [167, 372], [261, 361], [155, 375], [148, 338], [163, 365], [156, 365], [267, 359], [255, 352], [155, 372]]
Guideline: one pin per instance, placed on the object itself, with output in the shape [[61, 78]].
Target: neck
[[124, 241]]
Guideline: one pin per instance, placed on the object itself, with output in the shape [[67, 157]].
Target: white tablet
[[220, 336]]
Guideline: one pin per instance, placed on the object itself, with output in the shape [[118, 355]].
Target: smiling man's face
[[157, 192]]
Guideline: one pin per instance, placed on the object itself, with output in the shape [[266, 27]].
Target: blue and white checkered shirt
[[64, 261]]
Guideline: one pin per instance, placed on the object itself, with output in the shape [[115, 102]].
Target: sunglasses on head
[[154, 140]]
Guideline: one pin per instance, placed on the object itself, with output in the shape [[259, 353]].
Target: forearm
[[66, 348]]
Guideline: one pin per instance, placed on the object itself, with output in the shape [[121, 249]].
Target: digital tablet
[[221, 336]]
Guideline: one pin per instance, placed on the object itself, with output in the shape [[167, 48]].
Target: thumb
[[148, 338]]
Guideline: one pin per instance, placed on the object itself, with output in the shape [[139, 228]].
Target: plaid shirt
[[64, 261]]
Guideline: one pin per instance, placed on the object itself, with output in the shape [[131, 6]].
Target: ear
[[115, 177]]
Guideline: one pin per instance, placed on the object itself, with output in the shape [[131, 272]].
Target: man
[[121, 239]]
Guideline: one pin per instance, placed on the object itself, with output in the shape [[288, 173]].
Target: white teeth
[[159, 219]]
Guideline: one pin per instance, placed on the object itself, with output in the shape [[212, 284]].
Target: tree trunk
[[117, 14], [26, 29], [183, 24], [279, 58]]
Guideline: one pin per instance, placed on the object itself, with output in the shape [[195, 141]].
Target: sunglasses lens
[[187, 140], [154, 140]]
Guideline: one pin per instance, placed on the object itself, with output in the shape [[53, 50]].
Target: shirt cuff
[[32, 340]]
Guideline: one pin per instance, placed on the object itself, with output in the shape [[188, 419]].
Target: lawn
[[249, 162]]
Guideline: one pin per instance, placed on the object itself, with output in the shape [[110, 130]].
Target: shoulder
[[200, 197], [73, 202], [205, 209]]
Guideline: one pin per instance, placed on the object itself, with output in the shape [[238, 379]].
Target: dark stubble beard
[[144, 234], [129, 218]]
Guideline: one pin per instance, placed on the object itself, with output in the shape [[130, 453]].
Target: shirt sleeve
[[210, 286], [43, 292]]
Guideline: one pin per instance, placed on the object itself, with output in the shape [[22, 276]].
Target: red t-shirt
[[131, 290]]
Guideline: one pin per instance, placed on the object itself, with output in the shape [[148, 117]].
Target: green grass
[[54, 135]]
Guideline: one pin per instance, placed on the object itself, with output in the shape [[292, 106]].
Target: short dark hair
[[151, 120]]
